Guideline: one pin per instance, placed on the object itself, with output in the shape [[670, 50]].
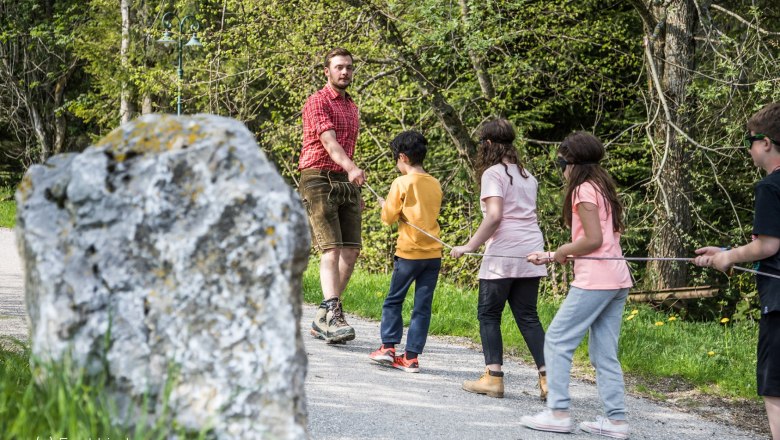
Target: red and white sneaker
[[408, 365], [383, 355]]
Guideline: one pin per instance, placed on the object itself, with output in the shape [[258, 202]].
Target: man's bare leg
[[336, 266], [347, 259], [772, 405], [330, 276]]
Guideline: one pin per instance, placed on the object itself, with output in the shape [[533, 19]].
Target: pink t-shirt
[[598, 274], [519, 233]]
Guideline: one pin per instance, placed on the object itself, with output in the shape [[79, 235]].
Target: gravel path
[[13, 316], [350, 397]]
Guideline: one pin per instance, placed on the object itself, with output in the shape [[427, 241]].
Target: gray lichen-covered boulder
[[172, 252]]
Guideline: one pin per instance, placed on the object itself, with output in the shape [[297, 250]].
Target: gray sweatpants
[[601, 312]]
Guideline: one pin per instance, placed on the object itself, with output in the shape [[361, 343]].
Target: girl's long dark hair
[[501, 135], [584, 151]]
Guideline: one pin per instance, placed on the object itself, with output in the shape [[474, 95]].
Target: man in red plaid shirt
[[329, 187]]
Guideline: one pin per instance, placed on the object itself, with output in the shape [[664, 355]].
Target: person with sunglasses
[[594, 305], [763, 142], [511, 231]]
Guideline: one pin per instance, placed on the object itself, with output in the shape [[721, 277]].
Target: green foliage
[[554, 66]]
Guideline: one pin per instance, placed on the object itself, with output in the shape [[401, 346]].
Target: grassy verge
[[60, 407], [716, 358], [7, 208]]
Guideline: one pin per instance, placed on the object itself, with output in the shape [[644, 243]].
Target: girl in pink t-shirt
[[510, 231], [596, 296]]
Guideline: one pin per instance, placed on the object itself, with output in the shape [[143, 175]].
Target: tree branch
[[744, 21], [645, 14]]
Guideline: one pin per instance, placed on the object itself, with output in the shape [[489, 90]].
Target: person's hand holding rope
[[539, 258], [459, 251], [714, 257]]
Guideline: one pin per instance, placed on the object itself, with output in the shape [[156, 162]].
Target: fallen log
[[673, 294]]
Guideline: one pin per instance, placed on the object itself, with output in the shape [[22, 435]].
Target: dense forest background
[[666, 84]]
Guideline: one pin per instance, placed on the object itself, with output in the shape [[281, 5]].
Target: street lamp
[[168, 40]]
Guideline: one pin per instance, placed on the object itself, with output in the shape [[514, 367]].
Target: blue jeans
[[424, 274], [601, 312]]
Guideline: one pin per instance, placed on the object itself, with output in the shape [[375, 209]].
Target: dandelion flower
[[634, 312], [724, 320], [710, 353], [672, 318], [659, 323], [630, 317]]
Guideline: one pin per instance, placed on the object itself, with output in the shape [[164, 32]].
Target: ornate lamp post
[[168, 39]]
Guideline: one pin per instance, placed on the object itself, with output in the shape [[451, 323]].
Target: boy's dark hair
[[767, 122], [584, 151], [412, 144], [336, 52]]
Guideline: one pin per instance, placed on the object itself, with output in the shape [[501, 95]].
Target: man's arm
[[336, 152]]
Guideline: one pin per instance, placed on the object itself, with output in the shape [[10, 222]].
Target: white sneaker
[[602, 426], [546, 421]]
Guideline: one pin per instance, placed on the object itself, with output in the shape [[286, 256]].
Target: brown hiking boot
[[543, 385], [487, 384], [319, 327], [338, 329]]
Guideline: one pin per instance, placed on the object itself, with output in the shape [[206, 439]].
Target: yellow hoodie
[[415, 198]]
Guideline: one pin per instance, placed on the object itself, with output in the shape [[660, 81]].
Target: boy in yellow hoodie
[[414, 199]]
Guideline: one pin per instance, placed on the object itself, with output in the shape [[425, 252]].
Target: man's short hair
[[412, 144], [338, 51], [767, 122]]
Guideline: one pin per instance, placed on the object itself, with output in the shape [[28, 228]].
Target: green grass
[[7, 208], [61, 407], [714, 358]]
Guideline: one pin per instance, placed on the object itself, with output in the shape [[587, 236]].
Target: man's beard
[[339, 86]]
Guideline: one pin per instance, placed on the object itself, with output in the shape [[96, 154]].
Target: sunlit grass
[[64, 407], [7, 208]]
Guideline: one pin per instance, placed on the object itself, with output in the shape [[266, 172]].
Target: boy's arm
[[391, 208], [763, 246]]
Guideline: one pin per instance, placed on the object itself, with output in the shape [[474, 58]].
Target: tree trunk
[[60, 121], [477, 61], [40, 133], [127, 105], [671, 59]]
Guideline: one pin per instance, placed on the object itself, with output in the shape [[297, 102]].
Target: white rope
[[571, 257]]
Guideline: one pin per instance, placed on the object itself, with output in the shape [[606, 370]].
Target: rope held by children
[[572, 257]]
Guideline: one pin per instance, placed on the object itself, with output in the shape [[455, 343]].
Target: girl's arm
[[495, 211], [591, 239]]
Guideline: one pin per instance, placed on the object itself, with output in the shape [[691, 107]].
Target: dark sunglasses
[[748, 139], [562, 163]]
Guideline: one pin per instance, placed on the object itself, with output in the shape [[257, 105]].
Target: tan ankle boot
[[543, 385], [492, 386]]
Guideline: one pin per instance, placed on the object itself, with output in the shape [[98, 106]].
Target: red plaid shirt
[[327, 110]]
